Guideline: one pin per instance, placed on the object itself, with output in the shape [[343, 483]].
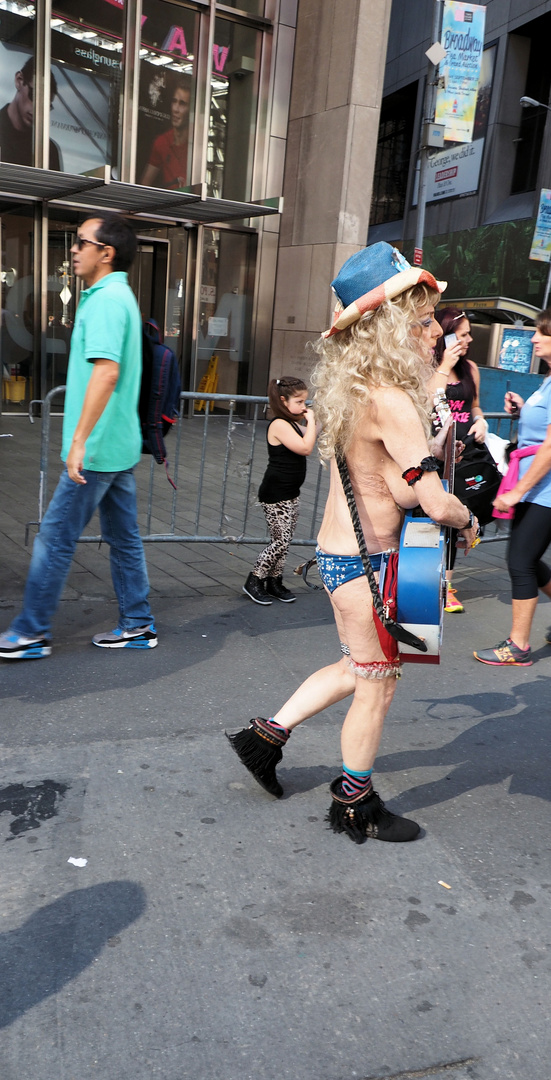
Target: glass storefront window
[[225, 305], [167, 95], [234, 92], [253, 7], [63, 290], [17, 28], [86, 64], [17, 338]]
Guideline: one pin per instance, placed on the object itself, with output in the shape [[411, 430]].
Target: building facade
[[195, 117], [483, 196], [174, 112]]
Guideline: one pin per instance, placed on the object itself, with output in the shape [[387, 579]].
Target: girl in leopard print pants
[[289, 444]]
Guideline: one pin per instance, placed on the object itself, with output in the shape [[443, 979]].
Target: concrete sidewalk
[[175, 569], [217, 932]]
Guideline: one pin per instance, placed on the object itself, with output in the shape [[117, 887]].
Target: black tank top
[[285, 473], [461, 403]]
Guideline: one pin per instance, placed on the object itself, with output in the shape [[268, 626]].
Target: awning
[[24, 182], [493, 309], [514, 208], [102, 193]]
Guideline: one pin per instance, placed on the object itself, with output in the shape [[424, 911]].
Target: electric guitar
[[424, 556]]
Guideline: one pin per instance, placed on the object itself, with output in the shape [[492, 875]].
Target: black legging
[[530, 538]]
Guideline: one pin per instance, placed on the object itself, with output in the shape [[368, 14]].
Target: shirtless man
[[372, 405]]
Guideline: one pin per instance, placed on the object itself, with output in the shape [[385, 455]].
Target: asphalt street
[[215, 932]]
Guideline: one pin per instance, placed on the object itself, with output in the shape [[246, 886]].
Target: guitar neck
[[449, 457]]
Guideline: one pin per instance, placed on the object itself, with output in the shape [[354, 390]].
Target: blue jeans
[[67, 516]]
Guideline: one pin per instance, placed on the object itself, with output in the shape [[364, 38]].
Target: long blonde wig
[[378, 350]]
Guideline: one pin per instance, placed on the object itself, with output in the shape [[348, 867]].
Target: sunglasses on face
[[81, 241]]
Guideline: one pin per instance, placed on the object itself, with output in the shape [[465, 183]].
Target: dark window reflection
[[232, 127]]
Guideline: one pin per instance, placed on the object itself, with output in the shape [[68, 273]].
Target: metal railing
[[506, 427], [216, 469], [217, 472]]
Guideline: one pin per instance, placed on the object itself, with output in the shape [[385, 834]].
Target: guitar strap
[[399, 633], [449, 475]]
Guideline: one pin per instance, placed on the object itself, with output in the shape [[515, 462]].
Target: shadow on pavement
[[77, 667], [60, 940], [511, 742]]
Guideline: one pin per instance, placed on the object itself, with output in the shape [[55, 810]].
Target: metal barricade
[[506, 428], [216, 470], [215, 464]]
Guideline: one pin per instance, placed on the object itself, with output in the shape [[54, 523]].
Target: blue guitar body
[[422, 586]]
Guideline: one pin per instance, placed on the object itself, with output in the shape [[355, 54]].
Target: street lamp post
[[428, 117], [530, 102]]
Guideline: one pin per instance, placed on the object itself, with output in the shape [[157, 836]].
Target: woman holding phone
[[530, 496], [459, 378]]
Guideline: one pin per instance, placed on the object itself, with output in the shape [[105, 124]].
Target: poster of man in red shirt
[[167, 164]]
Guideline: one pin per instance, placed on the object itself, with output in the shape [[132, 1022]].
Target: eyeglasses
[[81, 241]]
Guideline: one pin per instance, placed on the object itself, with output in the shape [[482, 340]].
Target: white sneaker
[[13, 647], [141, 637]]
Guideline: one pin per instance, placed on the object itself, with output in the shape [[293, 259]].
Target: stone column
[[336, 93]]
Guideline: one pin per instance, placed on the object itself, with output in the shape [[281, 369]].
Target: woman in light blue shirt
[[531, 498]]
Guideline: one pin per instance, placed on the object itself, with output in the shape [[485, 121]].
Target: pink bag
[[510, 479]]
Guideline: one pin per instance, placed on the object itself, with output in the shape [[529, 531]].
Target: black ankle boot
[[258, 747], [275, 587], [255, 588], [364, 816]]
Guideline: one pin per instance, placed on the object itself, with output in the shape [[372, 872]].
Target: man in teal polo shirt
[[101, 445]]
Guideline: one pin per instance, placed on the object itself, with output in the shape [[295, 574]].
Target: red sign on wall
[[418, 257]]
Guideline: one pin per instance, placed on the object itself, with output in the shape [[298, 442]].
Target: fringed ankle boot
[[259, 748], [363, 816]]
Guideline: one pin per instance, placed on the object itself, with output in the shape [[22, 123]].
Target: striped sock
[[356, 783], [282, 732]]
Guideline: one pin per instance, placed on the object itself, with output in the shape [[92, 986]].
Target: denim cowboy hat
[[371, 276]]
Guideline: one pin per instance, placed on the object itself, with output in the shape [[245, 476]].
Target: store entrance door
[[148, 277]]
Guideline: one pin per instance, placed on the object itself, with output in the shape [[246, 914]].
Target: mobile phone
[[513, 404], [450, 340]]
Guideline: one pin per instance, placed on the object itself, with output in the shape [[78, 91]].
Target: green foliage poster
[[493, 260]]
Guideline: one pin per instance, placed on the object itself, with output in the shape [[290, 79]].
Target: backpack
[[477, 479], [159, 405]]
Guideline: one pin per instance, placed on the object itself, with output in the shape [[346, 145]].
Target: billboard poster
[[166, 95], [79, 121], [515, 351], [541, 243], [84, 96], [463, 39], [456, 170]]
